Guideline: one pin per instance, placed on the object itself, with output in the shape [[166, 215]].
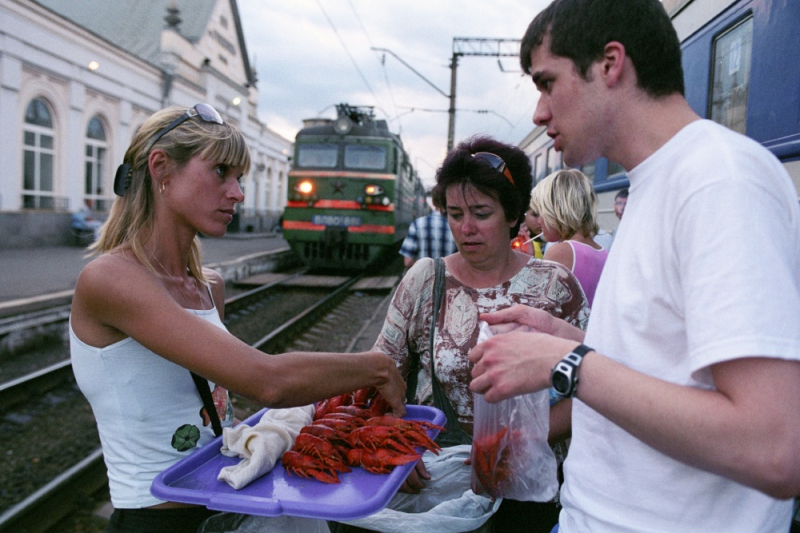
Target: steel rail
[[47, 506]]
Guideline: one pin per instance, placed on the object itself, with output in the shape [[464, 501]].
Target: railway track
[[40, 510], [24, 335]]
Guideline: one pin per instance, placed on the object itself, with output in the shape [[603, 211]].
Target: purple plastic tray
[[360, 493]]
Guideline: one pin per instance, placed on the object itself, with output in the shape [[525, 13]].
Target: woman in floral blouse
[[485, 186]]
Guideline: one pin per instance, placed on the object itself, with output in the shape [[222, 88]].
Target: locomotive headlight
[[373, 190], [385, 200], [304, 187]]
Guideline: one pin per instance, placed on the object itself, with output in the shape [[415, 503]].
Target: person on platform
[[686, 384], [84, 220], [529, 240], [145, 313], [606, 238], [567, 208], [620, 201], [428, 236], [485, 187]]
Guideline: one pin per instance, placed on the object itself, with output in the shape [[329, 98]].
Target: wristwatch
[[564, 376]]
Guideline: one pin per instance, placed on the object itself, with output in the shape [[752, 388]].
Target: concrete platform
[[36, 272]]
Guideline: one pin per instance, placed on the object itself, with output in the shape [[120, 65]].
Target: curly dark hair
[[460, 168]]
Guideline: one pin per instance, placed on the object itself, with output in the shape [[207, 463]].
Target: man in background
[[428, 236], [605, 238], [620, 200]]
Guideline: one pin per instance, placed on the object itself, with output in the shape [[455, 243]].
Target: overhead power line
[[333, 26], [477, 46], [383, 63], [465, 46]]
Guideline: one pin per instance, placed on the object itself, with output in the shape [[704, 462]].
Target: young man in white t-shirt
[[687, 414]]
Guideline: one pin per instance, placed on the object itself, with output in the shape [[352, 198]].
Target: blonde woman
[[567, 208], [145, 313]]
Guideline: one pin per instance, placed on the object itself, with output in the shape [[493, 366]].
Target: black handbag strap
[[208, 402], [438, 294], [453, 434]]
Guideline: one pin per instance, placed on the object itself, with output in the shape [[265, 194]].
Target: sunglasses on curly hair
[[122, 180], [496, 163]]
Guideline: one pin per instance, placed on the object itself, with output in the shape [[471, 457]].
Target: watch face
[[560, 382]]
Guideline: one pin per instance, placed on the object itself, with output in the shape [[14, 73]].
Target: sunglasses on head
[[496, 163], [206, 113]]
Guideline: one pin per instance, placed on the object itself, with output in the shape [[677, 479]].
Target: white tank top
[[148, 411]]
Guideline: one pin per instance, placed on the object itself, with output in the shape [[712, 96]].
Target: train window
[[730, 80], [614, 168], [365, 157], [317, 155]]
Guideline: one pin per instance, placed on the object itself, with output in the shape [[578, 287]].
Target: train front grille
[[349, 252]]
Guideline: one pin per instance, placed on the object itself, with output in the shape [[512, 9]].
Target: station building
[[78, 78]]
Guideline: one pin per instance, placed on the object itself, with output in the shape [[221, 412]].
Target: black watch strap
[[564, 376], [576, 356]]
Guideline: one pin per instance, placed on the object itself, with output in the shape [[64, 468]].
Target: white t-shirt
[[679, 293]]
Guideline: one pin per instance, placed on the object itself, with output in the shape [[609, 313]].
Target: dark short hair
[[623, 193], [436, 204], [580, 29], [461, 169]]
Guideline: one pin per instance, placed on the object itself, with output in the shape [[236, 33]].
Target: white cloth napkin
[[262, 445]]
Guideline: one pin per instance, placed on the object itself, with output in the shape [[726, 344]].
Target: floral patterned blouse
[[406, 331]]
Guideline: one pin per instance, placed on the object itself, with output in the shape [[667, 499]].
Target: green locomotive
[[352, 191]]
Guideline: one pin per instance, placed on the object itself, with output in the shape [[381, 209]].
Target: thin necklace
[[188, 297]]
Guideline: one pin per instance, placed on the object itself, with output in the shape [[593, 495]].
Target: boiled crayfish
[[493, 461], [354, 430]]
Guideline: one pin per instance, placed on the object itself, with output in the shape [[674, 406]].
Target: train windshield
[[364, 157], [317, 155]]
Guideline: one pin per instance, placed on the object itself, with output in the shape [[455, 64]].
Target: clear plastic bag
[[510, 454], [445, 505]]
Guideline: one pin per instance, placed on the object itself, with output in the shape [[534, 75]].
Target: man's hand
[[515, 363], [528, 319]]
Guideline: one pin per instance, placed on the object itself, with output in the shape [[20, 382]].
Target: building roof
[[136, 26]]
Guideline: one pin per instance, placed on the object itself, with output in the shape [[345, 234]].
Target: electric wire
[[383, 62], [347, 51]]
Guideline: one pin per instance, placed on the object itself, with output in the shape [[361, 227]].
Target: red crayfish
[[493, 462], [353, 430]]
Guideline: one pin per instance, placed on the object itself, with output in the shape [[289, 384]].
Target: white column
[[10, 134]]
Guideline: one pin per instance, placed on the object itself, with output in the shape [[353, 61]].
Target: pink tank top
[[587, 265]]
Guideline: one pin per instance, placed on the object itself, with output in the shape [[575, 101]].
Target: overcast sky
[[313, 54]]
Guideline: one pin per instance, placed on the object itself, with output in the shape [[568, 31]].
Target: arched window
[[37, 166], [94, 189]]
